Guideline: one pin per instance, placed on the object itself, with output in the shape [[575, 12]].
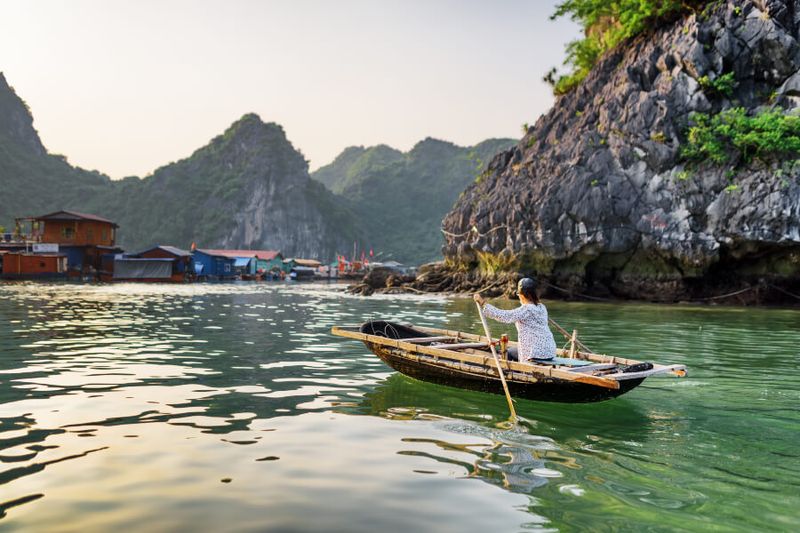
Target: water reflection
[[230, 407]]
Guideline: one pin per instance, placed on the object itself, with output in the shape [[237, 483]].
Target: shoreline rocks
[[440, 277]]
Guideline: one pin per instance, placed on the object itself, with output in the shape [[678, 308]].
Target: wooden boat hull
[[544, 389], [460, 359]]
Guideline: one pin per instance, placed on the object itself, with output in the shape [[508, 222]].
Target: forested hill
[[248, 188], [33, 181], [353, 164], [401, 198]]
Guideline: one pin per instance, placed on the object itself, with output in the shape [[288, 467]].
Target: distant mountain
[[31, 180], [352, 165], [248, 188], [401, 198]]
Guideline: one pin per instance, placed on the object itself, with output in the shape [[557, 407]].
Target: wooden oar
[[497, 362]]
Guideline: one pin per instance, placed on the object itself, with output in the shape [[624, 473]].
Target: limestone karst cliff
[[602, 197], [247, 188]]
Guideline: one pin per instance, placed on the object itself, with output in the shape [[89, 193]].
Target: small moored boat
[[464, 360]]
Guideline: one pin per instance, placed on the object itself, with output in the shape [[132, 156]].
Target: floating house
[[293, 262], [302, 273], [301, 269], [27, 265], [210, 264], [182, 260], [242, 263], [83, 238], [157, 264], [269, 261], [140, 269]]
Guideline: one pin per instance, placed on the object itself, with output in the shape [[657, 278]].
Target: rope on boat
[[734, 293], [784, 291], [707, 299], [406, 287], [571, 293], [585, 233], [492, 286], [473, 229], [384, 332]]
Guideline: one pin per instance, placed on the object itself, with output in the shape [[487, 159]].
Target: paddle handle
[[497, 362]]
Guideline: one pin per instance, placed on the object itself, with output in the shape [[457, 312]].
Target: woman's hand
[[478, 298]]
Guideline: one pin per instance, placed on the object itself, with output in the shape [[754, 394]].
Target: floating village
[[72, 245]]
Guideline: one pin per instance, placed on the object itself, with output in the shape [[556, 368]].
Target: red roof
[[74, 215], [264, 255]]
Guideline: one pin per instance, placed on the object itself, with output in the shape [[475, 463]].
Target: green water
[[231, 408]]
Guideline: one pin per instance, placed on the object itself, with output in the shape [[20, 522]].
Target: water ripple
[[229, 406]]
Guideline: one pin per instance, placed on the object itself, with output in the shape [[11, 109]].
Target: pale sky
[[124, 87]]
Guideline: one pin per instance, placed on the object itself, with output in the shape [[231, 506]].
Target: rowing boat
[[464, 360]]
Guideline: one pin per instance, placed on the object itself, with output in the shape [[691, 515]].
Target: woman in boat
[[535, 338]]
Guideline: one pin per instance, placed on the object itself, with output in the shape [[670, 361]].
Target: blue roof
[[242, 261]]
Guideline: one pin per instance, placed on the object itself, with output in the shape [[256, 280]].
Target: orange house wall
[[86, 232], [30, 264]]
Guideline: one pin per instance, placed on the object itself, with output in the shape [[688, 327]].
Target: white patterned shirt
[[535, 338]]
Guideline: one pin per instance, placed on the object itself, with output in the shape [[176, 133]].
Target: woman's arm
[[501, 315]]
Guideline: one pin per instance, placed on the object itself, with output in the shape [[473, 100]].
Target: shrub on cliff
[[733, 136], [605, 25]]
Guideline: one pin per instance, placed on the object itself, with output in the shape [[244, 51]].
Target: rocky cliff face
[[16, 121], [248, 188], [597, 198]]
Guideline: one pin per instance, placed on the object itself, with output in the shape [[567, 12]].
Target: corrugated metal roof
[[74, 215], [170, 249], [264, 255]]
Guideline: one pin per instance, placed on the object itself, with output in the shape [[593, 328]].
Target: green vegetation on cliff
[[353, 164], [732, 136], [605, 25], [400, 199], [30, 177]]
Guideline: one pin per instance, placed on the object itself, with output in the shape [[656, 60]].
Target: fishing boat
[[465, 360]]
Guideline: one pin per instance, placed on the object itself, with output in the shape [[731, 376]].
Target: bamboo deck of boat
[[463, 360]]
